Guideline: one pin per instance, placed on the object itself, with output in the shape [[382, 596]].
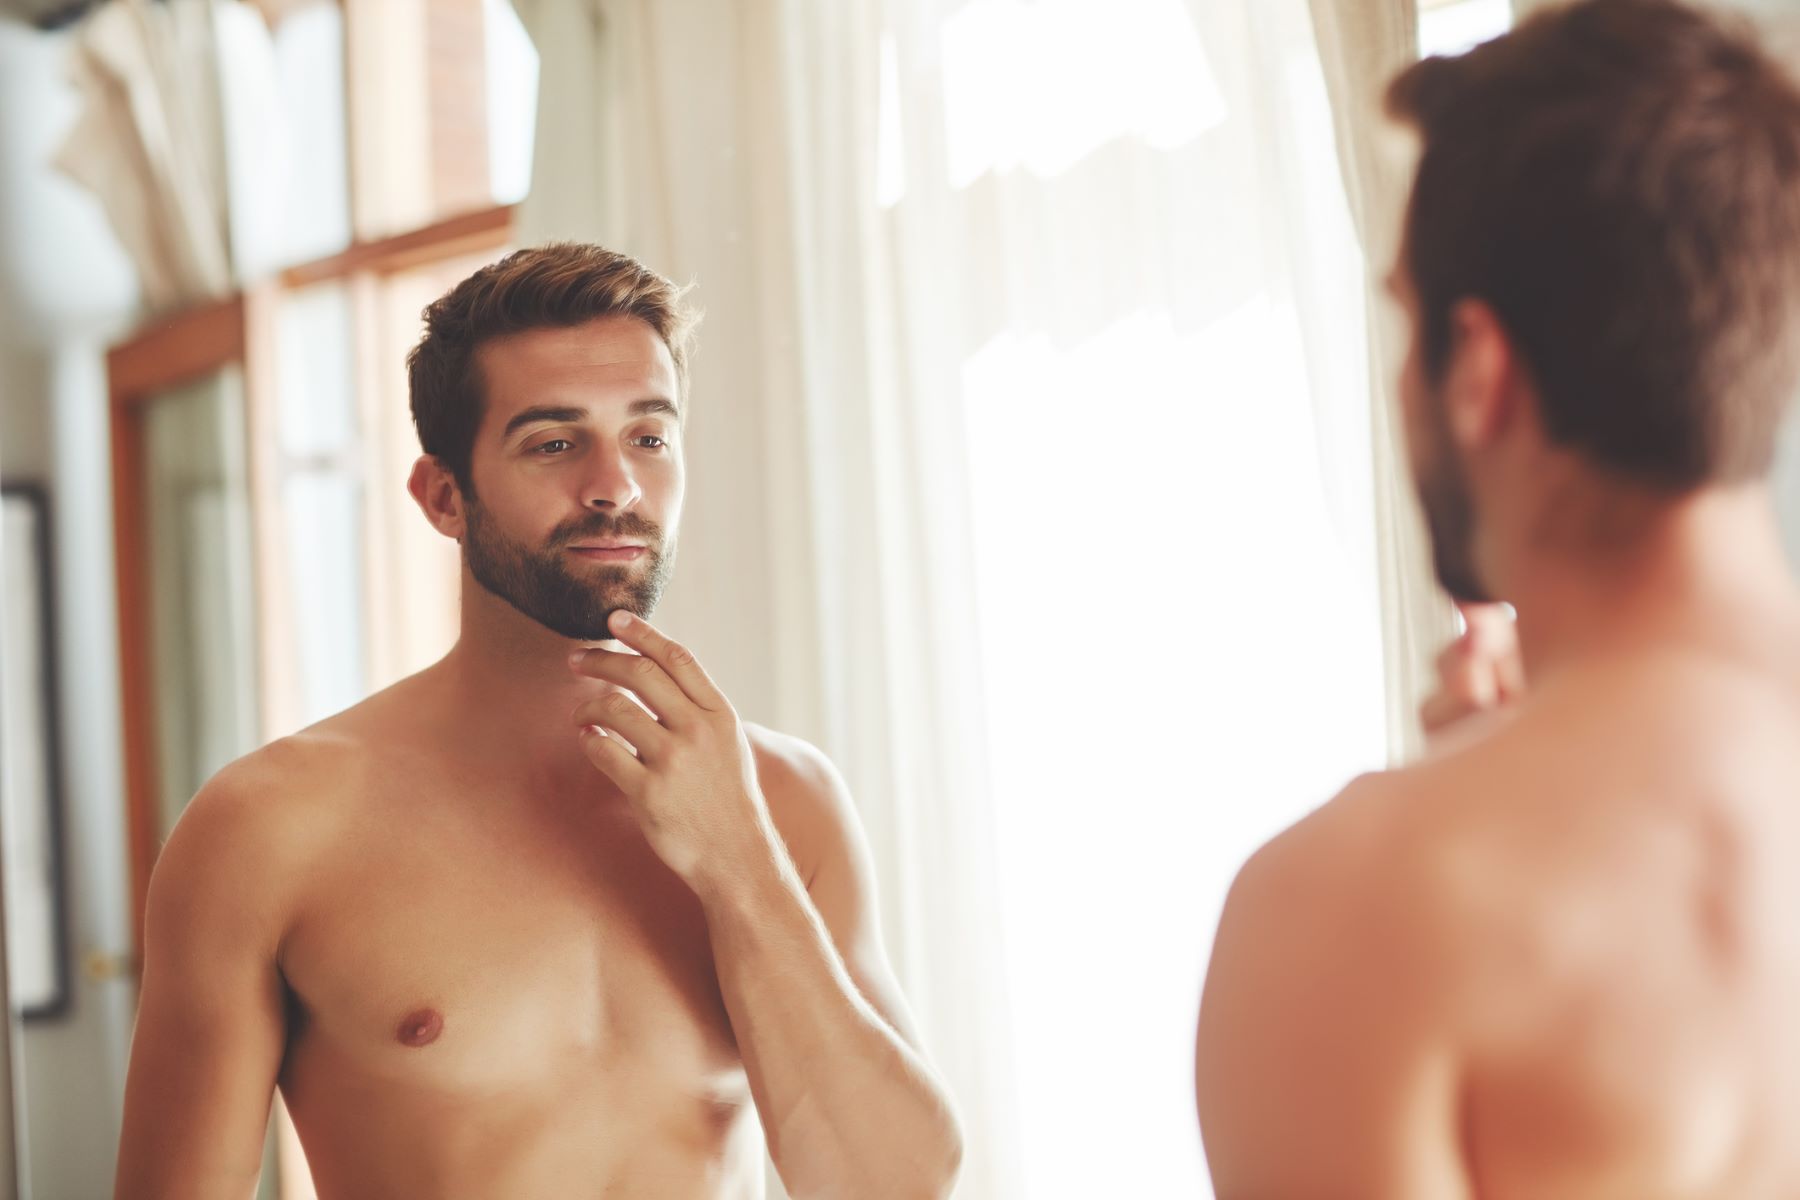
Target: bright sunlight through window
[[1173, 505]]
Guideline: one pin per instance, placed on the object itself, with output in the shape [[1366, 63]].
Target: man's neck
[[1685, 571], [511, 676]]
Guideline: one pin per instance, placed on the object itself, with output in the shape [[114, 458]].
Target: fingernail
[[576, 657], [620, 619]]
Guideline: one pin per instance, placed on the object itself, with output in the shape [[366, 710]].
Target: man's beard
[[541, 585], [1449, 511]]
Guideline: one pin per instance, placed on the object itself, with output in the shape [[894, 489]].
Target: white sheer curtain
[[1363, 43], [824, 564], [1148, 296], [149, 143]]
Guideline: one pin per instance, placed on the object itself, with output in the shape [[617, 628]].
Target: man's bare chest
[[472, 949]]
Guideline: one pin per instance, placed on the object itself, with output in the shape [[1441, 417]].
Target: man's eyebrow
[[655, 404], [542, 413], [566, 415]]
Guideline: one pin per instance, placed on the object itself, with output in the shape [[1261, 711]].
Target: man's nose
[[610, 484]]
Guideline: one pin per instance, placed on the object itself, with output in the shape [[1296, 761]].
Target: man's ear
[[438, 496], [1481, 386]]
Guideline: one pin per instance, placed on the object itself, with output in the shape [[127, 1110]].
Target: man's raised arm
[[849, 1105]]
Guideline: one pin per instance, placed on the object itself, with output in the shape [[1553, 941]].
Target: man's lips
[[609, 551]]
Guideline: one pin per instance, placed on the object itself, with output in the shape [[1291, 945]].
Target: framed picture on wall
[[37, 960]]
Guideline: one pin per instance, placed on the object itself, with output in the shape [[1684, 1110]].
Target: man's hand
[[849, 1105], [693, 780], [1480, 671]]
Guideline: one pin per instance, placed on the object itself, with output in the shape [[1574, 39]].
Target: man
[[545, 919], [1560, 957]]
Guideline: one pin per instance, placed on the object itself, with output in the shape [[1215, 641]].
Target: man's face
[[578, 475], [1437, 469]]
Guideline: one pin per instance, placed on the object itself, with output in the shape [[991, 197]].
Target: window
[[1453, 26], [1166, 407], [367, 174]]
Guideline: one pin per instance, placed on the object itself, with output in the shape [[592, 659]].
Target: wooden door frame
[[239, 331]]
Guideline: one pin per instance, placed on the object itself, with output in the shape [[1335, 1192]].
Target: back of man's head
[[1619, 180]]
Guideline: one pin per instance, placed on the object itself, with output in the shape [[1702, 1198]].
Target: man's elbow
[[924, 1165], [949, 1159]]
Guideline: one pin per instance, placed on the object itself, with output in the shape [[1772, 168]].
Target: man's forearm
[[848, 1107]]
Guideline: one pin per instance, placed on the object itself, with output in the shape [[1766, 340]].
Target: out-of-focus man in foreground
[[1561, 956]]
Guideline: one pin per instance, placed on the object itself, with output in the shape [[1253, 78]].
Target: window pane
[[1453, 26], [443, 110], [309, 61], [1166, 404], [319, 464], [201, 597]]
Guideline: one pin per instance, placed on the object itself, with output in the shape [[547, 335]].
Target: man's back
[[1625, 860], [1556, 960]]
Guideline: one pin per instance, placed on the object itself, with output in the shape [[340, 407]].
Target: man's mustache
[[604, 525]]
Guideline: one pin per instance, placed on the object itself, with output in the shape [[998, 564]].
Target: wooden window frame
[[236, 331]]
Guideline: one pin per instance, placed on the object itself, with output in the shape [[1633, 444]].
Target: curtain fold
[[149, 143], [824, 551], [1362, 44]]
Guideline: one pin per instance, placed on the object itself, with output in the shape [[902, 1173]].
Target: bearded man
[[546, 919]]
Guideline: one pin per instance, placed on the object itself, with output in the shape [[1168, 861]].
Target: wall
[[64, 287]]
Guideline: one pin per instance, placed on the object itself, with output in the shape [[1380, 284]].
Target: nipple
[[420, 1028]]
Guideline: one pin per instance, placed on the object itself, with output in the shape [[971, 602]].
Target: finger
[[1470, 682], [672, 657], [641, 675], [1440, 710], [613, 759], [1496, 634], [1509, 674], [618, 713], [1475, 611], [1455, 657], [1490, 624]]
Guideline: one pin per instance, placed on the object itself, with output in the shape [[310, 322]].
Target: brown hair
[[559, 284], [1620, 181]]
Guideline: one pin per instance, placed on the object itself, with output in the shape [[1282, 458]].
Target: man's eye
[[650, 442], [547, 447]]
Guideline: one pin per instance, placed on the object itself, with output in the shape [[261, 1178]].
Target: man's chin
[[592, 625]]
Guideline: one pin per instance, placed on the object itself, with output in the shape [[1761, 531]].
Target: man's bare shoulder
[[806, 796], [791, 765], [1329, 1006], [1415, 868], [267, 805], [1354, 862], [265, 814], [230, 870], [1608, 760], [1594, 797]]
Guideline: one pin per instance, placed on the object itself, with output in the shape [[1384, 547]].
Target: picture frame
[[31, 797]]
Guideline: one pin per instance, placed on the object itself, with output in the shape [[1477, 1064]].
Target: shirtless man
[[483, 948], [1560, 957]]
